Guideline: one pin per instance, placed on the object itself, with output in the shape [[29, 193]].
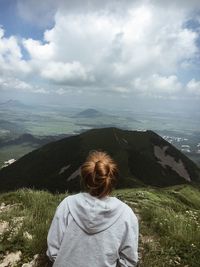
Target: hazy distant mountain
[[144, 158], [13, 103], [86, 119], [89, 113]]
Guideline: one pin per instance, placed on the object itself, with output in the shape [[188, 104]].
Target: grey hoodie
[[91, 232]]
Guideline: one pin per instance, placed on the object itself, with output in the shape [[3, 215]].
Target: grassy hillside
[[169, 221]]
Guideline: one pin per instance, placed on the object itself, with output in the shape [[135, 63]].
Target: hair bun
[[99, 173], [102, 168]]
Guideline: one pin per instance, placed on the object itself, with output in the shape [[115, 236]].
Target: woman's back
[[95, 232], [92, 228]]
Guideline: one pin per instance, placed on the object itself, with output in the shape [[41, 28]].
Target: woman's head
[[99, 174]]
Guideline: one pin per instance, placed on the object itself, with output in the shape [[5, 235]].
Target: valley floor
[[169, 221]]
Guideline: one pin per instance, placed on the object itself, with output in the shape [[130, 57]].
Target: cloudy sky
[[107, 52]]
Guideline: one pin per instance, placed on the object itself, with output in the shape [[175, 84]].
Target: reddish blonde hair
[[99, 174]]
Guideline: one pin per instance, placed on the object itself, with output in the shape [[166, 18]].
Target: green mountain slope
[[144, 158]]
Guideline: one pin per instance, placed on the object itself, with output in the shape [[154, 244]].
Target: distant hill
[[92, 118], [144, 158], [13, 103], [89, 113]]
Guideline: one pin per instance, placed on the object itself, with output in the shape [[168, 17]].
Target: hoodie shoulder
[[62, 208], [129, 215]]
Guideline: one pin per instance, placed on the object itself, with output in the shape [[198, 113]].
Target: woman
[[93, 229]]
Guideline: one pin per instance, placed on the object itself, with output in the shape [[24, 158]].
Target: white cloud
[[68, 90], [111, 49], [19, 85], [137, 46], [37, 50], [193, 87], [60, 91], [157, 85], [120, 90], [9, 46], [66, 73], [11, 61]]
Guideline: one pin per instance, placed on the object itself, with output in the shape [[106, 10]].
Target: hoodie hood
[[94, 215]]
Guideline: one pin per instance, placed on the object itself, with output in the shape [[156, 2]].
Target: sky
[[120, 54]]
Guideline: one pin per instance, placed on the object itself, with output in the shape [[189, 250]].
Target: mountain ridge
[[55, 166], [89, 113]]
